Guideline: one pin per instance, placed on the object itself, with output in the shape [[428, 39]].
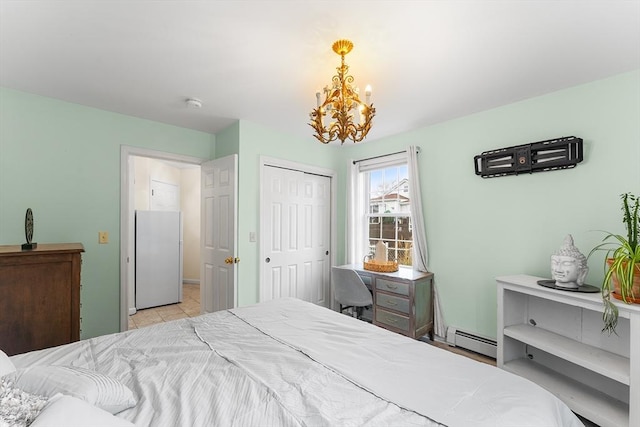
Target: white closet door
[[295, 234]]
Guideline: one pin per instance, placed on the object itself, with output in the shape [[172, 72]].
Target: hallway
[[189, 307]]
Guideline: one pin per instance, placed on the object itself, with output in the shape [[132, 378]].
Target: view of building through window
[[389, 213]]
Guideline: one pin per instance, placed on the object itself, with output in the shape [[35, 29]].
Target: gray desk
[[402, 300]]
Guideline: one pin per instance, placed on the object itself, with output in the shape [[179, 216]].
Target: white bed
[[290, 363]]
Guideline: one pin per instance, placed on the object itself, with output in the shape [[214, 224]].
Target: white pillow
[[70, 411], [6, 365], [96, 389]]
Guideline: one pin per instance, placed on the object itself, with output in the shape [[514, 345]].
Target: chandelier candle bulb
[[318, 98], [367, 92]]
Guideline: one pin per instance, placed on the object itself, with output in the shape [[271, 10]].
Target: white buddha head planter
[[569, 266]]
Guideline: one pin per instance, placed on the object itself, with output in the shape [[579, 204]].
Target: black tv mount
[[541, 156]]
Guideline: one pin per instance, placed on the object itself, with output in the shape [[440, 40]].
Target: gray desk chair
[[349, 290]]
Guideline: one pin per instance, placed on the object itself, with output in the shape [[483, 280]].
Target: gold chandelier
[[342, 103]]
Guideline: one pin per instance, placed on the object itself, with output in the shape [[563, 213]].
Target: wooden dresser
[[402, 301], [39, 296]]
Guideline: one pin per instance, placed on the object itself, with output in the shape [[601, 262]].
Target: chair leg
[[359, 311]]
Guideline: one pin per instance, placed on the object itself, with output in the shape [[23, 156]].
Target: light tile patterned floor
[[189, 307]]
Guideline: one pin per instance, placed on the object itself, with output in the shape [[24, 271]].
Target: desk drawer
[[392, 302], [366, 279], [391, 319], [391, 286]]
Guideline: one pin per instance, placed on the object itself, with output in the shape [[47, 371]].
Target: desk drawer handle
[[392, 286], [391, 303], [390, 320]]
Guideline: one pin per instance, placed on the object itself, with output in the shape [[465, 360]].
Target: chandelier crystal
[[350, 117]]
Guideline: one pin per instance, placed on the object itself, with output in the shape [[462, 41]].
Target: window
[[383, 207]]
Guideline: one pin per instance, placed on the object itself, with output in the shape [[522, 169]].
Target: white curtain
[[420, 252], [352, 209]]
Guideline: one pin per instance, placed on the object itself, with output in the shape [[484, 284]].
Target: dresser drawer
[[391, 319], [392, 302], [391, 286]]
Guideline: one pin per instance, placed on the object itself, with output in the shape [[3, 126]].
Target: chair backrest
[[348, 288]]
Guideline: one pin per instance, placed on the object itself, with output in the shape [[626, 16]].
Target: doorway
[[141, 198]]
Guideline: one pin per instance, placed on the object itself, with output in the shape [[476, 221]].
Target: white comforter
[[290, 363]]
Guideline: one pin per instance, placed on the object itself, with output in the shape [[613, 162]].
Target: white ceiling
[[427, 61]]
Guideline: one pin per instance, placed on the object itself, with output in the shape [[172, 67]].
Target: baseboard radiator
[[473, 342]]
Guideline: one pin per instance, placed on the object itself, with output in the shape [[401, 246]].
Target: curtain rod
[[383, 155]]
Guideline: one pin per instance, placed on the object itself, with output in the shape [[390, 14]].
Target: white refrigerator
[[158, 262]]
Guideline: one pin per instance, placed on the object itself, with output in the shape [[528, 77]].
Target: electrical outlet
[[103, 237]]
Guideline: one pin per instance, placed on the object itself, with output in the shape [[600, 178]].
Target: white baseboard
[[191, 281]]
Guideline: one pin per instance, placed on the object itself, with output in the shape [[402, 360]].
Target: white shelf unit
[[554, 339]]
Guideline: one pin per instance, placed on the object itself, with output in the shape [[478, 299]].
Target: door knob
[[267, 259], [228, 260]]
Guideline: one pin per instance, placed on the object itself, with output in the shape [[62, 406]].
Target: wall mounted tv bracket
[[541, 156]]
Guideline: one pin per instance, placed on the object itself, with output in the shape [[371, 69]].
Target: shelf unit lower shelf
[[594, 405], [554, 338], [595, 359]]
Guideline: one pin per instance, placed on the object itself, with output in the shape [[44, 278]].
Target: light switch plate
[[103, 237]]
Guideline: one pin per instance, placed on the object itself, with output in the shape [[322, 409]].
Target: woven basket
[[381, 266]]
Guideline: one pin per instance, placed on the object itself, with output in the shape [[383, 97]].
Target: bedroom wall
[[63, 161], [478, 229], [255, 141]]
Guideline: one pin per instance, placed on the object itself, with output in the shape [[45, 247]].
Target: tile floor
[[189, 307]]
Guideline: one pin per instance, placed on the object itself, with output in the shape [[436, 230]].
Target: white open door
[[218, 233], [295, 235]]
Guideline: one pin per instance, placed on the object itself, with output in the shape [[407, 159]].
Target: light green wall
[[63, 161], [228, 141], [256, 141], [478, 229]]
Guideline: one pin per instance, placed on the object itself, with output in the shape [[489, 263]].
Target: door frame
[[127, 212], [301, 167]]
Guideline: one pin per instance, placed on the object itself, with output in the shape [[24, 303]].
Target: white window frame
[[362, 194]]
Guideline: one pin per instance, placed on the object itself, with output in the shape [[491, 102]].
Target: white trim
[[126, 217], [332, 174]]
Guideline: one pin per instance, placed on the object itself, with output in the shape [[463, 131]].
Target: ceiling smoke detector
[[193, 103]]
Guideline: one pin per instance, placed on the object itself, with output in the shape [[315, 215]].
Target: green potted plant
[[622, 263]]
